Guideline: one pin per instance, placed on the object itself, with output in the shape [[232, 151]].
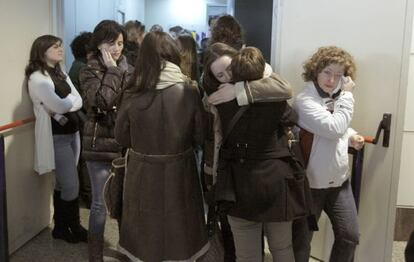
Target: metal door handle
[[385, 125]]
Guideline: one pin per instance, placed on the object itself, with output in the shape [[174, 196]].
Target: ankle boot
[[95, 247], [73, 219], [228, 240], [61, 230]]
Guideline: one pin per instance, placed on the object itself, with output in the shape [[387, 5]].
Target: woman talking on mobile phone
[[325, 107], [102, 82]]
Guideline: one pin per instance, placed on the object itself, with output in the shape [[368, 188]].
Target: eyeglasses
[[329, 74]]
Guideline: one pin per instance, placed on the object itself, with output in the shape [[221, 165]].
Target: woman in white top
[[57, 143], [325, 107]]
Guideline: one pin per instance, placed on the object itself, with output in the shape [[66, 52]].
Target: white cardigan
[[328, 161], [42, 92]]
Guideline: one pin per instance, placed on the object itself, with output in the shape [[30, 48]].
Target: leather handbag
[[114, 187]]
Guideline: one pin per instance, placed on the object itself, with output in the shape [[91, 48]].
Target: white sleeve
[[74, 96], [241, 95], [45, 92], [316, 119], [350, 132]]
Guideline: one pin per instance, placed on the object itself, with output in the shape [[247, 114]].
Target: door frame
[[57, 23], [399, 129], [398, 117]]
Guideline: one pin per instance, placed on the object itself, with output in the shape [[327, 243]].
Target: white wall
[[375, 33], [28, 195], [189, 14], [405, 189], [135, 10], [80, 15]]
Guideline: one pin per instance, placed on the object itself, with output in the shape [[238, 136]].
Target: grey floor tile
[[43, 248]]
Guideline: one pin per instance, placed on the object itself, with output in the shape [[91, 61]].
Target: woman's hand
[[225, 93], [106, 55], [356, 141], [347, 84]]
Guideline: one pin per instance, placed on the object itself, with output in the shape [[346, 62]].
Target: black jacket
[[101, 88], [255, 160]]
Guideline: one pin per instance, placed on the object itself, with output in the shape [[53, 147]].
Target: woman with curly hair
[[325, 107]]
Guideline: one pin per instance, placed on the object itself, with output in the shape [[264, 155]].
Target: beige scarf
[[170, 75]]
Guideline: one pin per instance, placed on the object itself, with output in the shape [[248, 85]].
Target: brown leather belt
[[161, 158]]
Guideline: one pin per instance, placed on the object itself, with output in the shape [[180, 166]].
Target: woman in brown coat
[[160, 120]]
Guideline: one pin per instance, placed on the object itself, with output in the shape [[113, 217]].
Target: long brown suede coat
[[162, 218]]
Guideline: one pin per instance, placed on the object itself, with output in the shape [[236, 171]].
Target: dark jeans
[[338, 203]]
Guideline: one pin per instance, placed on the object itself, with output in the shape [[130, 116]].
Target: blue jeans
[[339, 204], [99, 172], [67, 150]]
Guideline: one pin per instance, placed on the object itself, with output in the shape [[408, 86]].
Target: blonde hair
[[326, 56]]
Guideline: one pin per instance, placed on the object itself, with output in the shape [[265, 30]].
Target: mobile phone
[[338, 86]]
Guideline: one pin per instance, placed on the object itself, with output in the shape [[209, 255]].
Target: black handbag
[[114, 187], [298, 189], [215, 200], [225, 195], [216, 251], [299, 197]]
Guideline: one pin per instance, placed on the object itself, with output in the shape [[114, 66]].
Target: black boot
[[61, 230], [85, 192], [95, 248], [71, 211], [228, 240]]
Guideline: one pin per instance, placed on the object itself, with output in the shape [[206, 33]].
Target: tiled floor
[[43, 248]]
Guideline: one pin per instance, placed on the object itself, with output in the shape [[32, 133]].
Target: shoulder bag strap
[[234, 120]]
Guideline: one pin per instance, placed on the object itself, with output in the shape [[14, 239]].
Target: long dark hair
[[227, 30], [37, 60], [212, 53], [188, 51], [156, 48], [107, 31]]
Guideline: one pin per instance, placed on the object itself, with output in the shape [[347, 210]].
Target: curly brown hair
[[325, 56]]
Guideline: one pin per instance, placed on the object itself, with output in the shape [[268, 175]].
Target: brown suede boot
[[95, 247]]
